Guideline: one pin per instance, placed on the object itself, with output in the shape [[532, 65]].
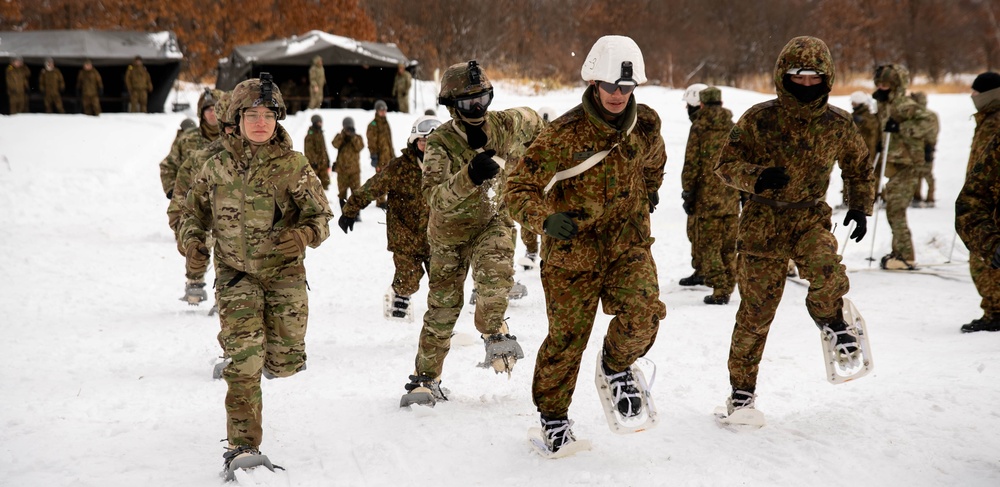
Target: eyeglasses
[[254, 117], [610, 88], [482, 99]]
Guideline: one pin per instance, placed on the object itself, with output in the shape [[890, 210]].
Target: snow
[[108, 379]]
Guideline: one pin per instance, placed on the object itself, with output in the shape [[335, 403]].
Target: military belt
[[783, 204]]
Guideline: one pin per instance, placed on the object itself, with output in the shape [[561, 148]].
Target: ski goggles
[[610, 88], [423, 129], [468, 103]]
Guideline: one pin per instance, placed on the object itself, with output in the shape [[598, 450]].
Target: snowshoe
[[692, 280], [717, 299], [517, 291], [892, 262], [502, 351], [555, 439], [220, 366], [243, 457], [396, 307], [214, 311], [423, 391], [982, 324], [846, 350], [625, 397], [194, 292], [528, 262], [739, 411]]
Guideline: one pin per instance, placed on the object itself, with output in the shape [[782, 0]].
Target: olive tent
[[111, 52], [357, 73]]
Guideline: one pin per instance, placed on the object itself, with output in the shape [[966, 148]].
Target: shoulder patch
[[735, 133]]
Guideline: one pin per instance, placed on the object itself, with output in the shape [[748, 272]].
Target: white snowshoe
[[502, 351], [194, 292], [214, 311], [244, 458], [854, 360], [396, 307], [739, 412], [423, 391], [517, 291], [618, 391], [528, 261], [556, 439]]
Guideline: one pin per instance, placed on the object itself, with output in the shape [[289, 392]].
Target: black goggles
[[467, 103], [610, 88]]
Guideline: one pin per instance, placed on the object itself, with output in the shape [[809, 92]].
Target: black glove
[[860, 221], [771, 178], [688, 204], [374, 160], [170, 194], [996, 258], [483, 167], [892, 126], [345, 223], [560, 226], [928, 153], [654, 199]]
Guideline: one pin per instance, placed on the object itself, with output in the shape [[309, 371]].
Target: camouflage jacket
[[870, 130], [89, 83], [51, 82], [806, 139], [458, 208], [709, 134], [197, 150], [380, 140], [406, 217], [348, 153], [987, 127], [401, 85], [17, 80], [317, 76], [246, 201], [610, 200], [184, 144], [977, 209], [906, 147], [137, 79], [315, 149]]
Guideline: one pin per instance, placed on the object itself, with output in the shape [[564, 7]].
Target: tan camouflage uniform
[[188, 164], [807, 140], [405, 219], [315, 151], [348, 164], [90, 86], [609, 260], [317, 81], [871, 131], [17, 87], [139, 86], [380, 145], [716, 206], [930, 146], [401, 89], [52, 84]]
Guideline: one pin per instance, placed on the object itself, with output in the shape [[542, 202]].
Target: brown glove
[[197, 257], [292, 242]]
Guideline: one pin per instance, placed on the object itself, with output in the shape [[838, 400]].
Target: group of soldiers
[[317, 84], [89, 87]]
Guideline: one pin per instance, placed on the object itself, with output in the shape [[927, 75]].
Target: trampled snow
[[108, 375]]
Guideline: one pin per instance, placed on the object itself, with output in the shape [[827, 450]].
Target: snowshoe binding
[[555, 439], [625, 396], [502, 351], [739, 411], [892, 262], [846, 350], [194, 292], [424, 391], [396, 307], [243, 458], [528, 262]]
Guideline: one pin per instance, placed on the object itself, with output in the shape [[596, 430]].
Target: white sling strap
[[499, 160], [587, 164]]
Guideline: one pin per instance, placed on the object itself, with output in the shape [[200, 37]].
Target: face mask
[[692, 110], [805, 94], [881, 95]]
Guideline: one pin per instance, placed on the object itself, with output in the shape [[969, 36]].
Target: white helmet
[[614, 59], [422, 128], [691, 94], [859, 98], [548, 113]]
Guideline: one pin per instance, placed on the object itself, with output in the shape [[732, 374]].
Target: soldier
[[317, 81], [168, 168], [90, 87], [869, 128], [976, 208], [910, 124], [401, 88], [139, 86], [264, 205], [469, 226], [692, 102], [380, 143], [926, 172], [406, 216], [17, 85], [597, 232], [782, 152], [348, 163], [315, 151], [52, 85], [713, 205]]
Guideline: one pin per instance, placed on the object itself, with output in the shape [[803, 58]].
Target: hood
[[896, 76], [803, 52]]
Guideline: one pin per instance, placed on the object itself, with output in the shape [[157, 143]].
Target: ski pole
[[952, 251], [885, 159], [847, 238]]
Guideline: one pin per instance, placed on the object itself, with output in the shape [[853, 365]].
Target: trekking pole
[[847, 238], [954, 238], [881, 174]]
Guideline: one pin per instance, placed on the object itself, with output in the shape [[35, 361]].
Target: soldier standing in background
[[90, 87], [713, 205], [926, 172], [17, 85], [976, 212], [692, 102], [380, 142], [264, 205], [139, 86], [315, 151], [782, 152], [401, 88], [317, 81], [52, 85], [597, 241], [348, 163], [870, 130]]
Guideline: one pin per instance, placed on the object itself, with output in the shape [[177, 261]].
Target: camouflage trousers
[[692, 233], [315, 96], [761, 282], [403, 102], [348, 180], [137, 101], [530, 240], [925, 174], [54, 103], [409, 271], [987, 281], [91, 104], [491, 257], [898, 194], [18, 103], [628, 289], [323, 173], [716, 250], [263, 321]]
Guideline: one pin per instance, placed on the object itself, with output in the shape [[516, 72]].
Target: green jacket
[[708, 136]]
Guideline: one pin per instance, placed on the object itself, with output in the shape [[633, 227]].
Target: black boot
[[986, 323], [693, 280]]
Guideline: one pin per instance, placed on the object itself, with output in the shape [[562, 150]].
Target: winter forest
[[712, 41]]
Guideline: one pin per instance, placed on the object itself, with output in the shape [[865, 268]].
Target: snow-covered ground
[[108, 376]]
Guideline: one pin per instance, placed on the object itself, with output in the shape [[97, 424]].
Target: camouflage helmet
[[253, 93], [208, 98], [894, 75], [315, 119], [463, 80], [188, 123], [222, 108]]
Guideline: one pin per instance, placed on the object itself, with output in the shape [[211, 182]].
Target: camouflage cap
[[463, 79], [710, 95], [805, 55], [249, 94], [894, 75]]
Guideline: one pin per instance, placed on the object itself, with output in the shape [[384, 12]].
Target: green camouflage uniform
[[905, 158], [609, 260], [17, 88], [246, 201], [380, 144], [974, 214], [401, 90], [716, 206], [90, 86], [871, 131], [930, 146], [468, 226], [315, 151], [807, 140], [52, 85], [530, 240], [317, 81], [348, 164], [139, 85], [187, 168], [405, 219]]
